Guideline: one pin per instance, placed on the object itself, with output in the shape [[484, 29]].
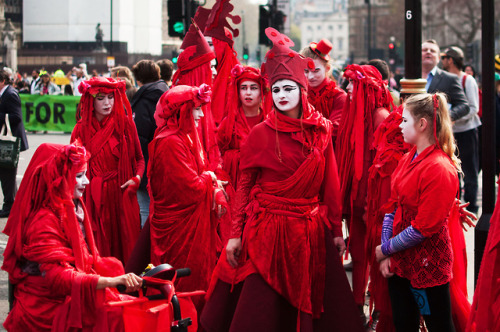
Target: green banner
[[49, 113]]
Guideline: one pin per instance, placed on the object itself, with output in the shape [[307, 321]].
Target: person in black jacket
[[10, 104], [441, 81], [147, 75]]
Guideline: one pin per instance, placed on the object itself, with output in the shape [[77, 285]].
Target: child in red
[[416, 253]]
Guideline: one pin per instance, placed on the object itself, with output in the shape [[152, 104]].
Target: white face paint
[[349, 88], [81, 183], [286, 95], [213, 63], [103, 105], [250, 93], [197, 115], [317, 75], [408, 127]]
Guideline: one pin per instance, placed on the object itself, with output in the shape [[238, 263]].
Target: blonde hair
[[422, 106]]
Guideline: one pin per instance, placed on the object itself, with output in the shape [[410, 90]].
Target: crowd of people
[[247, 177]]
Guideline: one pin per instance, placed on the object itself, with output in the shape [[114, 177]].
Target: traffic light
[[392, 52], [245, 52], [175, 56], [264, 23], [176, 27]]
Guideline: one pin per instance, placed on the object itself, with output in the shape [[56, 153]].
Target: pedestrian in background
[[45, 86], [465, 129], [125, 74], [10, 104], [166, 70], [151, 87]]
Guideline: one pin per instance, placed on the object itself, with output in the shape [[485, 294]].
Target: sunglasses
[[445, 57]]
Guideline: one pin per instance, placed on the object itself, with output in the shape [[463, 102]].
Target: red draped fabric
[[485, 312], [329, 100], [53, 267], [199, 74], [183, 227], [276, 197], [390, 148], [116, 157], [226, 60]]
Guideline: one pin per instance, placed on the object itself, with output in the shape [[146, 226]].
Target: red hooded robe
[[53, 266], [116, 157]]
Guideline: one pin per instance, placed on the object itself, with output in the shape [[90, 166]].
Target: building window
[[340, 27], [340, 44]]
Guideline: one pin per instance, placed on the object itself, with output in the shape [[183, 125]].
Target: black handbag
[[10, 146]]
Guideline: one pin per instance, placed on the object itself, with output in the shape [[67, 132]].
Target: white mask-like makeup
[[317, 75], [81, 183], [286, 95], [408, 127], [197, 115]]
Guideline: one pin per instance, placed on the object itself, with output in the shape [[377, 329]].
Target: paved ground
[[36, 139]]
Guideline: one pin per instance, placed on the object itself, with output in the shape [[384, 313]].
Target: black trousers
[[9, 186], [468, 152], [406, 313]]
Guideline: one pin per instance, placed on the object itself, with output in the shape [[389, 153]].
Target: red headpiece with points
[[283, 63], [218, 25]]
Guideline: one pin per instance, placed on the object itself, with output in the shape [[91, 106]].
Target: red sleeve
[[438, 187], [245, 184], [75, 133], [336, 110], [175, 163], [331, 193], [139, 158]]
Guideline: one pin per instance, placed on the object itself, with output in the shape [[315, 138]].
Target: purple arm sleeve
[[387, 226], [408, 238]]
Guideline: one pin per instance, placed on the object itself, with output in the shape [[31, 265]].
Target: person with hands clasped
[[186, 198], [116, 165], [416, 252]]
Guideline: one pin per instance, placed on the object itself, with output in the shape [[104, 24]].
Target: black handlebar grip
[[121, 288], [185, 272]]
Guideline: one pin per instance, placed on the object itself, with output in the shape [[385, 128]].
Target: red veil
[[44, 210]]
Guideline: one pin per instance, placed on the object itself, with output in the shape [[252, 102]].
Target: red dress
[[183, 226], [329, 100], [288, 207], [424, 190], [115, 158]]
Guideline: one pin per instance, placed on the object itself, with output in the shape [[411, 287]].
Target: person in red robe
[[416, 253], [186, 197], [366, 108], [60, 281], [108, 132], [221, 34], [322, 92], [245, 104], [281, 269], [485, 311]]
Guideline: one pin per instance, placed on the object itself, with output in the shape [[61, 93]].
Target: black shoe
[[4, 213]]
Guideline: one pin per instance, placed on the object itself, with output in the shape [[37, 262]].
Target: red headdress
[[194, 60], [322, 49], [48, 182], [282, 63], [369, 93], [219, 28], [174, 113], [218, 25]]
